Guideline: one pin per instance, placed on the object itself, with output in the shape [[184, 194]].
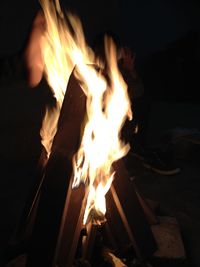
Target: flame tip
[[65, 50]]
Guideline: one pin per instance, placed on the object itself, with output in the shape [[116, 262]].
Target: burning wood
[[56, 194], [107, 107], [81, 135], [124, 209]]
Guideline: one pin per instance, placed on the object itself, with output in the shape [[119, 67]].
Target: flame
[[60, 50], [107, 107]]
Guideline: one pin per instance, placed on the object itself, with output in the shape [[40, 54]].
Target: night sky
[[165, 35], [148, 25]]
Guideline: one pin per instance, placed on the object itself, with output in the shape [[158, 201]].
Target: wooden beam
[[45, 239], [126, 216]]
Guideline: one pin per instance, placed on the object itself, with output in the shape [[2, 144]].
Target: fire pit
[[53, 219], [83, 171]]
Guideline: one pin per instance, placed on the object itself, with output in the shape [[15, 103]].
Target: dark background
[[164, 35]]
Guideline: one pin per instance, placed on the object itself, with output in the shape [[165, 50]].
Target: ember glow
[[107, 107]]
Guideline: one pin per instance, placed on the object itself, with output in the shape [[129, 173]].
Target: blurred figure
[[135, 131], [32, 54], [26, 64], [138, 126]]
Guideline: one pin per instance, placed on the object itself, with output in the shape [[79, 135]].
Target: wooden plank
[[132, 215], [71, 227], [44, 241]]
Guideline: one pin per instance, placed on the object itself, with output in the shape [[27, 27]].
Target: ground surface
[[179, 197], [20, 118]]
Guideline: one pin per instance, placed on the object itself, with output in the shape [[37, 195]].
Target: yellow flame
[[107, 106], [60, 50]]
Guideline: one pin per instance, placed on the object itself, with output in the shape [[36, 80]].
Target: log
[[45, 239], [126, 216]]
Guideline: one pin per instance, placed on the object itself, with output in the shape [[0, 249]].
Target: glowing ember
[[107, 107]]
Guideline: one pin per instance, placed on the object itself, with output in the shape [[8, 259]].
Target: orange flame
[[107, 107]]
